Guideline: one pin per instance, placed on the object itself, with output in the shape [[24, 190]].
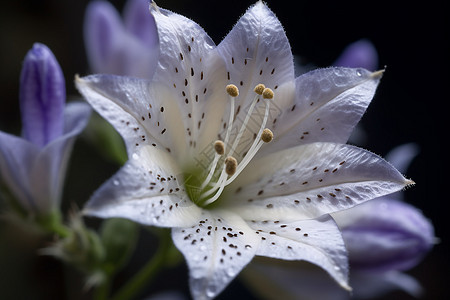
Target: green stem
[[102, 291], [147, 273]]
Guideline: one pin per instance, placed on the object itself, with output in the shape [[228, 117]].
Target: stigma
[[225, 167]]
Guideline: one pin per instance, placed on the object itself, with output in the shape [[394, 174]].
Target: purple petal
[[42, 96], [360, 54], [140, 22], [33, 175], [16, 159], [102, 28], [385, 235]]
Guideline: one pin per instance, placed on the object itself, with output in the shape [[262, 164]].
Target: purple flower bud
[[383, 235], [42, 96], [360, 54]]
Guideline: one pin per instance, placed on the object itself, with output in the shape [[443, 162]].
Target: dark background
[[411, 104]]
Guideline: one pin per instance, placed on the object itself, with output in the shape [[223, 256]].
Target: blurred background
[[411, 105]]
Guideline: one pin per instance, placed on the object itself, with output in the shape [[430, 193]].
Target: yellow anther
[[230, 165], [219, 146], [267, 135], [259, 89], [232, 90], [267, 93]]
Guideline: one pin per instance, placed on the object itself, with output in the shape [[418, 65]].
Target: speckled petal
[[146, 190], [138, 110], [309, 181], [216, 249], [318, 241], [328, 104], [191, 74]]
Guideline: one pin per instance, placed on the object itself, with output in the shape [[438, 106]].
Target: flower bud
[[42, 96], [382, 235]]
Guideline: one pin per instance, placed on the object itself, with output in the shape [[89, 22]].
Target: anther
[[259, 89], [232, 90], [219, 146], [267, 93], [230, 165], [267, 135]]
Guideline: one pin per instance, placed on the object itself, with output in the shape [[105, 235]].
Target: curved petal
[[328, 104], [131, 106], [139, 21], [146, 190], [192, 75], [216, 249], [376, 285], [16, 158], [52, 160], [318, 241], [311, 180], [383, 235], [257, 51], [102, 30]]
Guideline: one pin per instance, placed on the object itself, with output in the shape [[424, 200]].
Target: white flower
[[267, 199]]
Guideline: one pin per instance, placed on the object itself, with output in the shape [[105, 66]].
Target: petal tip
[[377, 74]]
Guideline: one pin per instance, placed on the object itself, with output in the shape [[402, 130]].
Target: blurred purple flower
[[32, 168], [360, 54], [128, 48], [385, 235]]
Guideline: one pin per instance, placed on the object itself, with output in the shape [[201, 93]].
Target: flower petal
[[131, 106], [139, 21], [311, 180], [401, 156], [383, 235], [328, 104], [102, 28], [16, 158], [257, 51], [190, 73], [216, 250], [376, 285], [318, 241], [35, 175], [360, 54], [146, 190], [113, 50], [53, 159]]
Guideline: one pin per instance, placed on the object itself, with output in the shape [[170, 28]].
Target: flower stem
[[102, 291], [148, 271]]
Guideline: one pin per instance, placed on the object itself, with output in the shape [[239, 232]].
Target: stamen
[[267, 93], [267, 135], [219, 146], [230, 165], [259, 89], [230, 168], [255, 147], [232, 90]]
